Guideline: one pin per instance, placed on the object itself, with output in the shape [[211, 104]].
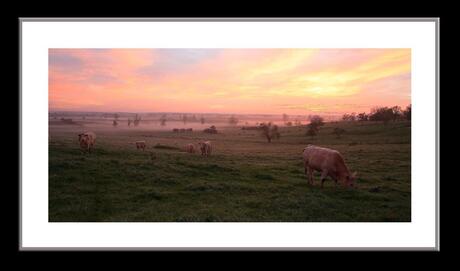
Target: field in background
[[246, 179]]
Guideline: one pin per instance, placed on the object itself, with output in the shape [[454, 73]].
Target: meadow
[[245, 179]]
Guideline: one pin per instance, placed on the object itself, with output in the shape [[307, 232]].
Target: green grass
[[246, 179]]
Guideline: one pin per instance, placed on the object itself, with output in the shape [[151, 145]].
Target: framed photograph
[[229, 134]]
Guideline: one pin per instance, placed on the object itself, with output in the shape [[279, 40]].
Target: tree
[[349, 117], [383, 114], [202, 120], [129, 122], [311, 130], [184, 119], [297, 122], [285, 118], [363, 116], [338, 132], [163, 120], [115, 123], [269, 131], [315, 122], [136, 120], [407, 113], [397, 113], [233, 120], [288, 123]]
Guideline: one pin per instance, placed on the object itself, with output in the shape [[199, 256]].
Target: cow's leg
[[323, 178], [310, 175]]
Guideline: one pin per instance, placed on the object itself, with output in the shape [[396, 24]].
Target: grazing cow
[[87, 140], [205, 148], [140, 145], [329, 162], [190, 148]]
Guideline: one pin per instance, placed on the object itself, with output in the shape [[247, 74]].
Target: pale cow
[[329, 162], [205, 148], [140, 145], [87, 140], [190, 148]]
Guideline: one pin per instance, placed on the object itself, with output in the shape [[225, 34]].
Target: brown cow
[[190, 148], [140, 145], [205, 148], [87, 140], [329, 162]]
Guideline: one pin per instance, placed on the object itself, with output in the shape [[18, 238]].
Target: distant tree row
[[384, 114]]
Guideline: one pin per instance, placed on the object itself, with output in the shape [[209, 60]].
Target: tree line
[[384, 114]]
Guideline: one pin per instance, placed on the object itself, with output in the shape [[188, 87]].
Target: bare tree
[[315, 122], [311, 130], [163, 120], [136, 120], [270, 131], [233, 120], [285, 118]]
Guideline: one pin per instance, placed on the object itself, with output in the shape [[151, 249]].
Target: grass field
[[246, 179]]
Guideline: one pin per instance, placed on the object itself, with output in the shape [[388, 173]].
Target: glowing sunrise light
[[259, 81]]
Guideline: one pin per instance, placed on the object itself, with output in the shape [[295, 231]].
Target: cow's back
[[320, 158], [91, 136]]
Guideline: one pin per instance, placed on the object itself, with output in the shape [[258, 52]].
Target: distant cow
[[211, 130], [205, 148], [87, 140], [329, 162], [140, 145], [190, 148]]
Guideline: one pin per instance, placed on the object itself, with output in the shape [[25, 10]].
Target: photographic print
[[229, 135]]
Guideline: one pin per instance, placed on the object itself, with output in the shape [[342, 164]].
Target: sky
[[241, 81]]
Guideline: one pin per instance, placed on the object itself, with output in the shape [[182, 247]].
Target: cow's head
[[83, 138], [350, 180]]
